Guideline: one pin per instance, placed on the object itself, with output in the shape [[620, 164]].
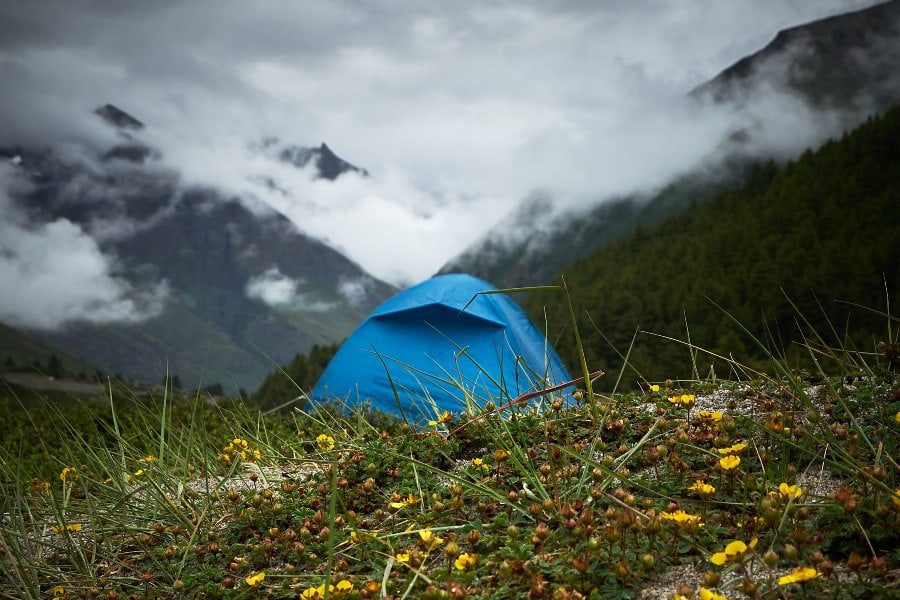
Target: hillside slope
[[21, 352], [827, 224]]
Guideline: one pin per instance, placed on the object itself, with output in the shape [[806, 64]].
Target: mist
[[458, 113]]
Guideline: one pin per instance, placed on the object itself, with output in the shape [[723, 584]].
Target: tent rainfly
[[439, 356]]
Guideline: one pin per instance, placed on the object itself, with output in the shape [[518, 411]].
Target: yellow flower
[[710, 416], [69, 474], [464, 561], [40, 487], [703, 489], [238, 448], [321, 590], [325, 442], [73, 528], [58, 591], [479, 462], [312, 593], [729, 462], [681, 518], [735, 449], [409, 500], [684, 400], [431, 541], [148, 459], [790, 491], [654, 388], [734, 552], [897, 417], [139, 472], [344, 587], [799, 575], [443, 418], [706, 594], [256, 580], [402, 557]]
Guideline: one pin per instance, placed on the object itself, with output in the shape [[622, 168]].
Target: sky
[[457, 110]]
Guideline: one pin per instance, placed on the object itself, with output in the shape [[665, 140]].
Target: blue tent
[[433, 350]]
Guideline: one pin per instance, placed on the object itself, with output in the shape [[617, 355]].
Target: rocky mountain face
[[227, 285], [846, 64], [845, 61]]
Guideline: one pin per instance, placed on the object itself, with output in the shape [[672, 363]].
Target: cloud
[[272, 287], [54, 273], [458, 111], [355, 291], [279, 290]]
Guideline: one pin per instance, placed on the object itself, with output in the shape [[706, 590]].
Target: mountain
[[844, 63], [226, 284], [847, 60], [802, 237], [328, 164]]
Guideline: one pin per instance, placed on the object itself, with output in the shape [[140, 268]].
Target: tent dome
[[440, 356]]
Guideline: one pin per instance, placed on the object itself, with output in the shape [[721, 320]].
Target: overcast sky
[[457, 109]]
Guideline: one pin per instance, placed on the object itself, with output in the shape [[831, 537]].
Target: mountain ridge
[[241, 289], [550, 242]]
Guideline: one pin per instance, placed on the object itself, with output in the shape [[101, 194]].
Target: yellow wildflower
[[442, 419], [256, 580], [69, 474], [325, 442], [238, 448], [431, 540], [706, 594], [654, 388], [343, 587], [684, 400], [479, 462], [734, 552], [312, 593], [58, 591], [799, 575], [464, 561], [681, 518], [139, 472], [702, 488], [402, 557], [148, 459], [317, 592], [73, 528], [735, 449], [409, 500], [729, 462], [790, 491], [710, 416], [40, 487]]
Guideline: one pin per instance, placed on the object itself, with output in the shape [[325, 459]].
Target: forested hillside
[[281, 386], [824, 229]]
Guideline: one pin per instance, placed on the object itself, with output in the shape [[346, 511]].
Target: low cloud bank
[[54, 273]]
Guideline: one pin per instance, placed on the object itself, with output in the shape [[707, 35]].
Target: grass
[[766, 486]]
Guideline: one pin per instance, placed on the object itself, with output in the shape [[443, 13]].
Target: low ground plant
[[781, 485]]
